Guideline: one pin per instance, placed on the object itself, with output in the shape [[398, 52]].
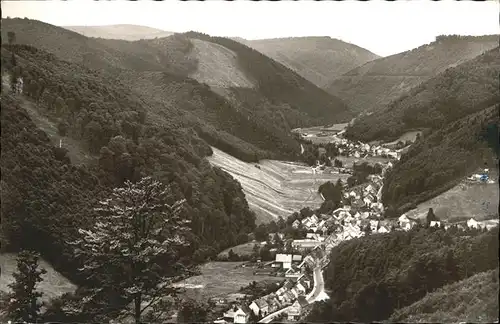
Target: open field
[[242, 249], [462, 202], [277, 188], [53, 284], [348, 162], [408, 136], [220, 279]]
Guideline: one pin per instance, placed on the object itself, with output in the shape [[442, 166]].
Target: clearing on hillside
[[52, 286], [217, 66], [275, 188], [462, 202]]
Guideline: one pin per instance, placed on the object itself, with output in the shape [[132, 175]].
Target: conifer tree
[[23, 302]]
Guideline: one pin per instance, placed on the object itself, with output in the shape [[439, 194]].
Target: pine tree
[[23, 304], [136, 229]]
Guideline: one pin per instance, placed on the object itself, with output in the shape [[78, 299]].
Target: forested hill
[[370, 278], [375, 84], [437, 161], [318, 59], [451, 95], [236, 98], [45, 197]]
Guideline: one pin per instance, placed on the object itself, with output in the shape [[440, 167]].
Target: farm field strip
[[220, 279], [276, 188]]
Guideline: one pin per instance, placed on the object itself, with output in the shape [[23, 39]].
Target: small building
[[472, 223], [435, 224], [297, 308], [259, 305], [242, 315], [383, 229], [284, 259], [296, 224]]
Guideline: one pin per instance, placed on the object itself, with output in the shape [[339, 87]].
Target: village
[[362, 214]]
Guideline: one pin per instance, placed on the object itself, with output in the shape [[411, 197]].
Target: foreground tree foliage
[[370, 277], [23, 303], [46, 196], [136, 235]]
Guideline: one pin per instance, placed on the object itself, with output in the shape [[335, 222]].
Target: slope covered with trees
[[45, 198], [375, 84], [473, 300], [451, 95], [247, 123], [437, 161], [369, 278], [318, 59]]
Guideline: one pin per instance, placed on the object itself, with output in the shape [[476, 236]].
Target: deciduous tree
[[137, 229]]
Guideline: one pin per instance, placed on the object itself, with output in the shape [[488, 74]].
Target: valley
[[174, 174]]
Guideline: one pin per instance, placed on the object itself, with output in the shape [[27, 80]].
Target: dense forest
[[46, 198], [247, 123], [369, 278], [436, 162], [474, 299], [451, 95]]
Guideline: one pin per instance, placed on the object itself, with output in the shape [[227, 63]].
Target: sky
[[384, 28]]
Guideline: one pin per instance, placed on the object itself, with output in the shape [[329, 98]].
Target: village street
[[319, 286], [316, 293]]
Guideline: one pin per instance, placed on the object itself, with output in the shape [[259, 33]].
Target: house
[[301, 287], [296, 224], [296, 258], [285, 260], [404, 222], [293, 272], [315, 236], [472, 223], [297, 308], [295, 292], [259, 305], [274, 304], [435, 224], [242, 314], [287, 297], [229, 315], [374, 225], [305, 243], [383, 229]]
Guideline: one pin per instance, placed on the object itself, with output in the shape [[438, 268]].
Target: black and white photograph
[[249, 161]]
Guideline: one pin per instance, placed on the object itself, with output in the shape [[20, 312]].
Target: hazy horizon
[[392, 27]]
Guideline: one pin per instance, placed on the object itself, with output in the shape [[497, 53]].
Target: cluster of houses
[[362, 215], [291, 294]]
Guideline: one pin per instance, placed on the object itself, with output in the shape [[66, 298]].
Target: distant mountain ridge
[[319, 59], [122, 31], [375, 84], [451, 95]]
